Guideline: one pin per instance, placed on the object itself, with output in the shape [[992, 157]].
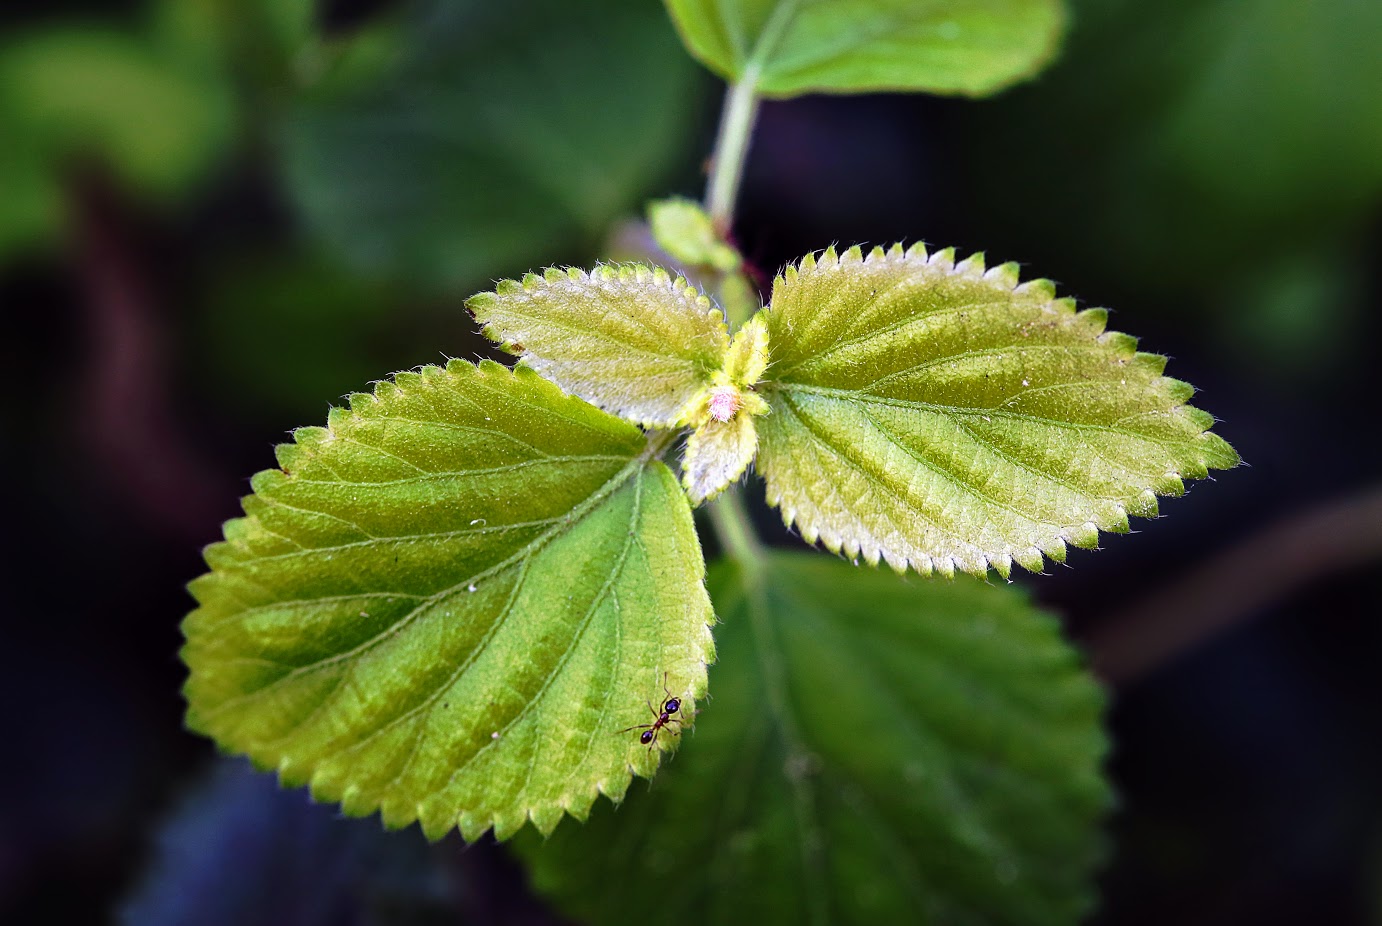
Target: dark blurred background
[[219, 216]]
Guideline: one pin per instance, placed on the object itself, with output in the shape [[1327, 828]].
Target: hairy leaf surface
[[942, 417], [448, 600], [877, 751], [629, 338], [788, 47]]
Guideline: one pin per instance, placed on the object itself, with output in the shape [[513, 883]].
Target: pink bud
[[724, 402]]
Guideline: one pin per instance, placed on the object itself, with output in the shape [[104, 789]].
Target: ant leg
[[641, 726]]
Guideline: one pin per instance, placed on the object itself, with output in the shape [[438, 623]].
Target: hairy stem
[[731, 150]]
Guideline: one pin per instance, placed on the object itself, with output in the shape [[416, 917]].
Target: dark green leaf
[[503, 136], [877, 751]]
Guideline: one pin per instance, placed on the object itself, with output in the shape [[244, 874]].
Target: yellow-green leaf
[[941, 416], [631, 339], [684, 230], [717, 453], [446, 604]]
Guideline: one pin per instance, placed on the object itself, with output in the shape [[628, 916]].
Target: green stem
[[735, 533], [731, 149]]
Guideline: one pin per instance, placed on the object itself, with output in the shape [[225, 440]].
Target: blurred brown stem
[[125, 419], [1232, 586]]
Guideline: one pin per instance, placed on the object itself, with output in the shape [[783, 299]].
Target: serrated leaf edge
[[634, 272], [292, 773], [1006, 277]]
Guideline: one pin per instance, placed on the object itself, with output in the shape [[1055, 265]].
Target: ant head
[[671, 705], [647, 737]]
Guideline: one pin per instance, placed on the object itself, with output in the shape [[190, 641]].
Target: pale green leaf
[[630, 339], [684, 230], [940, 416], [788, 47], [877, 751], [448, 601], [717, 453]]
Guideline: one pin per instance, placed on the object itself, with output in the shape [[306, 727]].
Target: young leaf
[[447, 602], [684, 230], [789, 47], [877, 752], [630, 339], [942, 417], [725, 440], [717, 453]]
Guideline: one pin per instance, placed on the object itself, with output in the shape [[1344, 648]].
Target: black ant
[[661, 718]]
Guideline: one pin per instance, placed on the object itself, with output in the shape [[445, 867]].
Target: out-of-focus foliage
[[70, 97], [242, 850], [1202, 145], [324, 326], [501, 135]]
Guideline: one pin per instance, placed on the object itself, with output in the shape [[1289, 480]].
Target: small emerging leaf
[[684, 230], [717, 453], [877, 752], [629, 338], [725, 439], [448, 601], [788, 47], [940, 416]]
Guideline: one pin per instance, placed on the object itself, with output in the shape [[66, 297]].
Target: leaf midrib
[[966, 411], [655, 445]]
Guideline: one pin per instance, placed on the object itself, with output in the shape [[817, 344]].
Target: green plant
[[451, 603]]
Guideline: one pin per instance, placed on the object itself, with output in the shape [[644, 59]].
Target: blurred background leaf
[[492, 142], [1238, 147], [69, 96]]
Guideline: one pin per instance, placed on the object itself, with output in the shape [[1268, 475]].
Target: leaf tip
[[972, 266]]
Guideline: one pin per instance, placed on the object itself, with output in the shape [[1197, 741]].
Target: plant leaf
[[717, 453], [485, 147], [942, 417], [629, 338], [877, 751], [448, 600], [789, 47], [684, 230]]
